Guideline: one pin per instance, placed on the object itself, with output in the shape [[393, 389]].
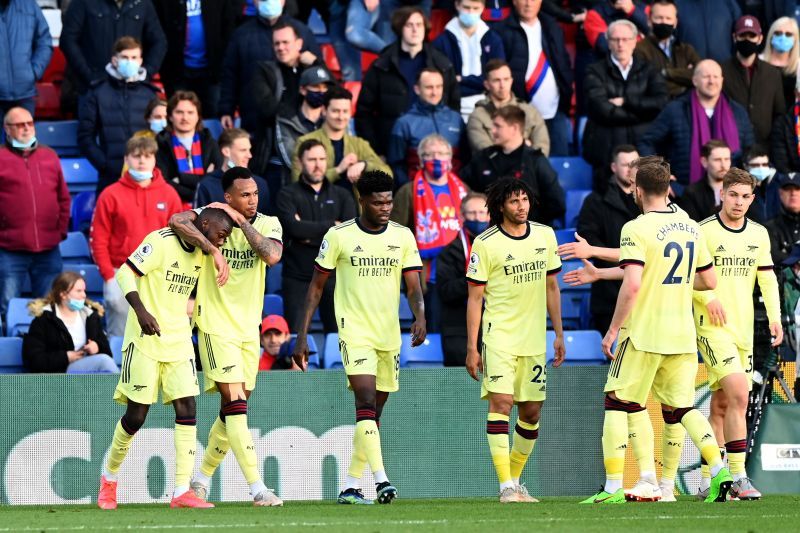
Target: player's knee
[[501, 403], [134, 417], [668, 414], [738, 400], [612, 403], [679, 412], [366, 400], [530, 412], [185, 407]]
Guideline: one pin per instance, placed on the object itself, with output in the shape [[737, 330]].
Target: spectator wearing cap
[[427, 115], [706, 25], [784, 230], [785, 141], [767, 204], [751, 82], [703, 198], [276, 344]]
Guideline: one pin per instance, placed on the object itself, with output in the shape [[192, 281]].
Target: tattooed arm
[[268, 249]]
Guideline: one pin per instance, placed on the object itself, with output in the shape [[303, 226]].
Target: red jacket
[[125, 213], [34, 200]]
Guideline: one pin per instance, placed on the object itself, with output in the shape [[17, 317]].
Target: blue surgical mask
[[270, 9], [475, 227], [782, 43], [231, 164], [127, 68], [157, 125], [468, 19], [761, 173], [76, 305], [140, 175], [23, 145]]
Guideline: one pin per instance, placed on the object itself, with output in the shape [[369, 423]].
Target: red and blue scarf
[[435, 229], [188, 163]]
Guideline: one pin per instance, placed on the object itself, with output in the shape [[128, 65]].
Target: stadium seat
[[575, 200], [274, 278], [331, 60], [48, 100], [79, 174], [18, 320], [54, 73], [406, 316], [564, 236], [273, 305], [575, 309], [82, 210], [584, 348], [573, 173], [11, 355], [75, 248], [355, 88], [116, 348], [333, 359], [568, 266], [366, 60], [428, 354], [94, 281], [214, 126], [61, 136], [313, 353]]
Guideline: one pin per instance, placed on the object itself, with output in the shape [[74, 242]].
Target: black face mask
[[746, 48], [315, 99], [663, 31]]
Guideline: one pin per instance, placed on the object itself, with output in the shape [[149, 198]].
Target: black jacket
[[784, 232], [317, 212], [451, 282], [185, 184], [698, 200], [645, 94], [762, 96], [385, 96], [530, 165], [45, 347], [783, 145], [219, 21], [515, 44], [600, 223]]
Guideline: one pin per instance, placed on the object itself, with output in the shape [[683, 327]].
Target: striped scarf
[[188, 163], [797, 125]]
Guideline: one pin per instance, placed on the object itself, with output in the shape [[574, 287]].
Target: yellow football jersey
[[234, 310], [741, 256], [670, 247], [167, 270], [514, 271], [369, 267]]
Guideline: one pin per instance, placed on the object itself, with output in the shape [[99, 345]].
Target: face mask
[[746, 48], [127, 68], [269, 9], [231, 164], [475, 227], [23, 145], [761, 173], [782, 43], [315, 99], [663, 31], [468, 19], [140, 175], [436, 168], [76, 305], [157, 125]]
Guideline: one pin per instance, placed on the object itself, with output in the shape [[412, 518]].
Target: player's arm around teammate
[[183, 225]]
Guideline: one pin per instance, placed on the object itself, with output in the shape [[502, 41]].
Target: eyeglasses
[[27, 124]]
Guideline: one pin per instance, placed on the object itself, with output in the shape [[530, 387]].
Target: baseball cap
[[794, 256], [790, 179], [274, 322], [315, 76], [747, 24]]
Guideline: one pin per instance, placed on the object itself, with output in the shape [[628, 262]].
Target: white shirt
[[546, 98], [709, 112], [623, 71], [470, 47], [77, 329]]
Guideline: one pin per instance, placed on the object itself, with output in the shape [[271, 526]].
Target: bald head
[[707, 79], [18, 124]]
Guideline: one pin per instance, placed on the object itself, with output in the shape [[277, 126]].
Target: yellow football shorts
[[142, 377], [365, 360], [723, 357], [524, 377], [228, 361]]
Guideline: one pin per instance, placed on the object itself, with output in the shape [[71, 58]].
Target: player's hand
[[235, 215], [91, 347], [222, 266], [776, 331], [474, 363], [582, 276], [608, 342], [300, 353], [148, 322], [580, 249], [559, 350], [74, 355], [716, 313], [418, 332], [226, 121]]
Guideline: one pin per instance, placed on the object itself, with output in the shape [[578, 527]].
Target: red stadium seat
[[48, 101], [439, 19], [366, 60], [355, 88], [55, 70], [330, 59]]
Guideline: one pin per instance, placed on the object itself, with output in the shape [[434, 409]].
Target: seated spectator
[[602, 14], [32, 187], [751, 82], [67, 334], [624, 94], [534, 45], [451, 283], [706, 25], [126, 212], [277, 344], [114, 110], [703, 198], [665, 52], [469, 44], [427, 115], [348, 156], [186, 149], [25, 54], [784, 143], [783, 52], [510, 156], [784, 229], [767, 204], [428, 206], [388, 87], [498, 94], [307, 209], [234, 145], [691, 120]]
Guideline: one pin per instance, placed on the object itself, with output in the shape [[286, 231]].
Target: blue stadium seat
[[428, 354], [274, 278], [11, 355], [273, 305], [575, 309], [406, 316], [313, 353], [94, 281], [18, 320], [79, 174], [61, 136], [82, 210], [214, 126], [583, 347], [575, 200], [333, 359], [116, 348], [568, 266], [573, 172], [564, 236], [75, 248]]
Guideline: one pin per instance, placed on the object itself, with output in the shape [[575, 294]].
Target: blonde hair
[[794, 54]]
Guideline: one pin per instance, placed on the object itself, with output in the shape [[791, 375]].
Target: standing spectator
[[91, 27], [783, 51], [428, 206], [388, 87], [664, 51], [753, 83], [235, 147], [66, 334], [707, 26], [784, 141], [498, 94], [625, 94], [307, 208], [784, 229], [250, 44], [427, 115], [197, 32], [469, 44], [33, 187], [25, 53], [186, 149], [348, 156], [452, 281], [767, 204], [703, 198], [126, 212], [534, 45], [510, 156], [688, 122], [600, 17], [276, 342], [114, 110]]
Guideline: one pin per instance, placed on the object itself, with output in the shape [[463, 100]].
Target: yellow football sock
[[640, 434], [369, 443], [185, 444], [736, 455], [702, 435], [120, 445], [241, 441], [358, 461], [525, 435], [615, 442], [672, 447], [497, 435], [217, 448]]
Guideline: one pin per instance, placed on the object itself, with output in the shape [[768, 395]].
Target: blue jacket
[[27, 47], [419, 122], [491, 48], [708, 26], [210, 190], [670, 135]]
